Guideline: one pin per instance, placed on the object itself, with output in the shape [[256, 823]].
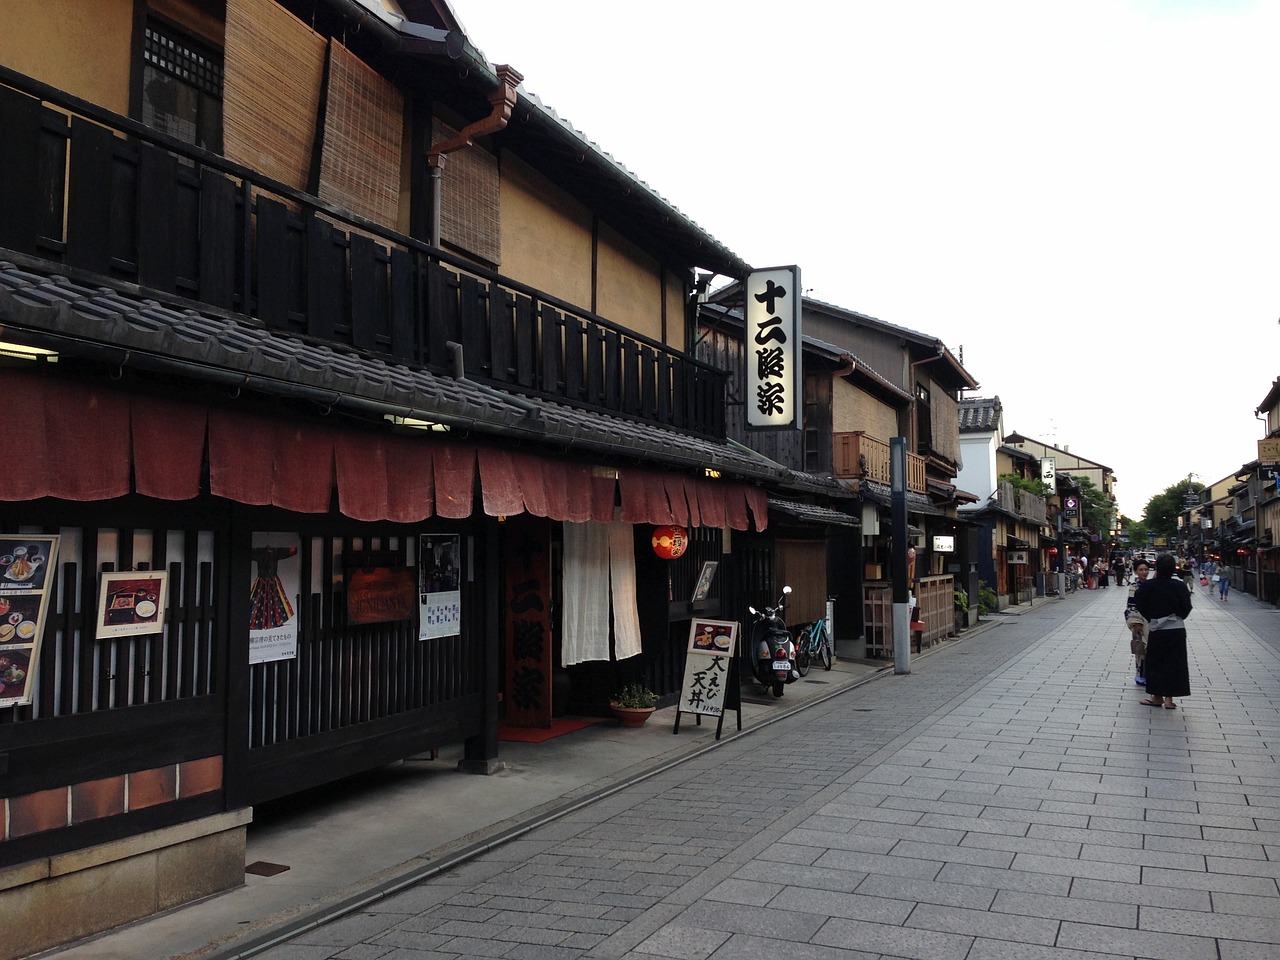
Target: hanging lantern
[[1053, 551], [670, 542]]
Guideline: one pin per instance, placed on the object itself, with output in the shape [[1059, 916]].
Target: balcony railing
[[96, 191], [860, 456]]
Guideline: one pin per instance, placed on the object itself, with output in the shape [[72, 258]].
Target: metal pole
[[898, 505]]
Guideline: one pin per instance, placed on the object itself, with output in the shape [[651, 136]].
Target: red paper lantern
[[670, 542], [1053, 551]]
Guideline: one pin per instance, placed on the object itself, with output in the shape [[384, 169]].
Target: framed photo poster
[[439, 595], [132, 603], [703, 586], [273, 597]]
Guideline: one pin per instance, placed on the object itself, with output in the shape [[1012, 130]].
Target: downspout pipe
[[502, 102]]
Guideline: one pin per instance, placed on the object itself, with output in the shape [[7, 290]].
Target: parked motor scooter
[[773, 651]]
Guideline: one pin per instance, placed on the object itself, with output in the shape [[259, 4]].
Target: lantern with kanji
[[670, 542]]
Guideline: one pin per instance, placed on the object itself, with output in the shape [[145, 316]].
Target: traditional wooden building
[[353, 386]]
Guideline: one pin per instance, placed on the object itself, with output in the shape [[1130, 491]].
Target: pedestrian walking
[[1138, 638], [1104, 573], [1224, 581], [1166, 603]]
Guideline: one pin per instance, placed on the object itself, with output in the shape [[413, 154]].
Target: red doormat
[[558, 728]]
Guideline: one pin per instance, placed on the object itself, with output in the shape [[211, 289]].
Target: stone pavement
[[1008, 798]]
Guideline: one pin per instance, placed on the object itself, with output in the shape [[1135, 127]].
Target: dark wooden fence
[[97, 191]]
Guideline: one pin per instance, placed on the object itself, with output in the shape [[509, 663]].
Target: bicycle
[[813, 642]]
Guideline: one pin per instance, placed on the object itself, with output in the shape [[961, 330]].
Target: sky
[[1082, 196]]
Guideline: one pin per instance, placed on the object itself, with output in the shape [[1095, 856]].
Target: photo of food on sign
[[15, 666], [131, 603], [23, 563], [18, 618], [712, 636]]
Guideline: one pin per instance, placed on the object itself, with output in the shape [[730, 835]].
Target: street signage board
[[1269, 450], [1017, 556]]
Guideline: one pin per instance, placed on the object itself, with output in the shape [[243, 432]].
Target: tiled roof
[[43, 306], [979, 414]]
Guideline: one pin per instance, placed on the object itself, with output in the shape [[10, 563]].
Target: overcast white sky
[[1084, 195]]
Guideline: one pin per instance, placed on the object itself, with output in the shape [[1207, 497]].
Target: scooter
[[773, 651]]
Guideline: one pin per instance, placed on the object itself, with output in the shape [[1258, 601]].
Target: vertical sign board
[[527, 684], [775, 381], [27, 567], [1048, 470], [708, 675]]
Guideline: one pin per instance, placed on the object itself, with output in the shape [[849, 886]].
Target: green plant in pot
[[633, 704]]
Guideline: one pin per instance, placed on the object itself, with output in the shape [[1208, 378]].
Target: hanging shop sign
[[1048, 470], [943, 544], [273, 597], [439, 593], [132, 604], [670, 542], [774, 377], [710, 677], [1269, 450], [26, 578], [1017, 557]]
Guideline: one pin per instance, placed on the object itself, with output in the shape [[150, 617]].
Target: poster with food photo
[[25, 562], [27, 565], [132, 604], [15, 674]]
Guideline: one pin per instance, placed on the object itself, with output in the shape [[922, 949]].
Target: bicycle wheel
[[826, 650], [803, 660]]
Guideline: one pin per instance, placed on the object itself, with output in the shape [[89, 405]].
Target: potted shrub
[[633, 704]]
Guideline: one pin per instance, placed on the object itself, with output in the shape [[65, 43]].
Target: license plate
[[783, 665]]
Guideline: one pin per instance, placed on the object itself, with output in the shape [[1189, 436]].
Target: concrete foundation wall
[[60, 899]]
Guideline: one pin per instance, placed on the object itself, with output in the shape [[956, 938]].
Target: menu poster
[[26, 565], [706, 667], [273, 597], [132, 604], [439, 596]]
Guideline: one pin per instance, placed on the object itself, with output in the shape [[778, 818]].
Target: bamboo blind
[[273, 69], [363, 138], [469, 208]]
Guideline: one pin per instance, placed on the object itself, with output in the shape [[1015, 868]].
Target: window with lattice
[[181, 86]]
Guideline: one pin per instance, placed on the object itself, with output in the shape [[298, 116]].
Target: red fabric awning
[[84, 442]]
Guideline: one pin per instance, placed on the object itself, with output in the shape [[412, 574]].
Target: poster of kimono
[[439, 595], [273, 597], [712, 646], [26, 575]]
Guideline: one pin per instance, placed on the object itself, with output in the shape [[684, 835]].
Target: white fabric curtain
[[622, 577], [599, 565]]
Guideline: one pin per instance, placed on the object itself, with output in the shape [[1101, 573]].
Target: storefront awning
[[89, 442]]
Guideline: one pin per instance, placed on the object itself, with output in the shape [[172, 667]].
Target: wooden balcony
[[96, 191], [860, 456], [1024, 504]]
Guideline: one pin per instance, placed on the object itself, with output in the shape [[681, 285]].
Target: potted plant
[[633, 704]]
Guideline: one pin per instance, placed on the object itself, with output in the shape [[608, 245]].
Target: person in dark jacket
[[1166, 602]]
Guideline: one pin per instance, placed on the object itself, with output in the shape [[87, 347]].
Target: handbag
[[1204, 581], [1214, 578]]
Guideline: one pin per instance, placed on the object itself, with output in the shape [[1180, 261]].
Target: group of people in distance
[[1156, 612]]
